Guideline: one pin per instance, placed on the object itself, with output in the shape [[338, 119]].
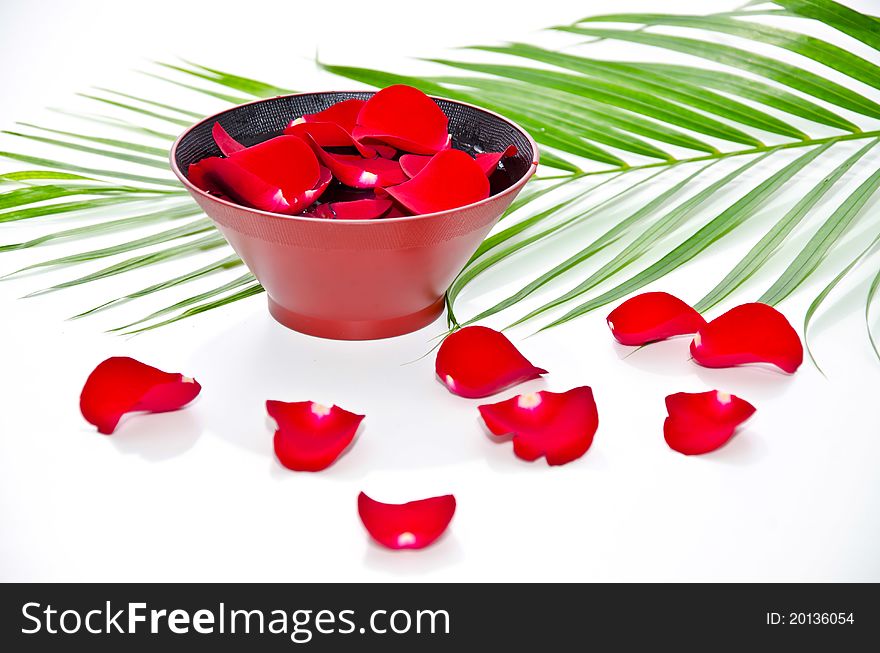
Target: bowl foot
[[357, 329]]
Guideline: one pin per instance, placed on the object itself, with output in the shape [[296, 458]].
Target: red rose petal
[[412, 525], [226, 177], [558, 426], [703, 421], [450, 179], [199, 174], [412, 164], [122, 385], [221, 175], [366, 209], [343, 113], [224, 141], [652, 316], [311, 196], [396, 212], [332, 127], [329, 134], [488, 161], [281, 175], [405, 118], [477, 361], [326, 134], [357, 172], [750, 333], [311, 436], [286, 162]]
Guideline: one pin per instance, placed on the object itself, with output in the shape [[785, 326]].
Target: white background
[[198, 494]]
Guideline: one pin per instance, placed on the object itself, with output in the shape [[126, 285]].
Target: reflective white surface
[[198, 494]]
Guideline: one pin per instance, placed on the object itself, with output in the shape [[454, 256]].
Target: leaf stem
[[724, 155]]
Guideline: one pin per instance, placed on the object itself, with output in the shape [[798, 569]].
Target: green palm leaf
[[872, 293], [822, 242], [715, 229], [756, 90], [857, 25], [662, 227], [764, 249], [639, 80], [598, 122], [822, 296], [784, 73], [226, 263], [802, 44]]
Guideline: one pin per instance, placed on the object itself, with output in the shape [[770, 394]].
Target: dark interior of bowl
[[473, 130]]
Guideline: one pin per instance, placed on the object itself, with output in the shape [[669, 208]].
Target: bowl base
[[357, 329]]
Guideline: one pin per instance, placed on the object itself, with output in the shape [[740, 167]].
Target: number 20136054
[[809, 618]]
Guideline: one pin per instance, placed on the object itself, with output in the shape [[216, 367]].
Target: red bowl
[[356, 279]]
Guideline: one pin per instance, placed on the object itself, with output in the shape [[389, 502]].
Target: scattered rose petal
[[558, 426], [405, 118], [477, 361], [652, 316], [122, 385], [412, 525], [311, 436], [224, 141], [450, 180], [366, 209], [281, 174], [750, 333], [703, 421], [488, 161]]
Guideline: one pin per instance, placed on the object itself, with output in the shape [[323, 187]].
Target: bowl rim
[[513, 189]]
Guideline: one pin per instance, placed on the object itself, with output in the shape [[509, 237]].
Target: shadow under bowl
[[356, 279]]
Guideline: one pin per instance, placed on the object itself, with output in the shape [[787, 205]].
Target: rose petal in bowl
[[329, 134], [286, 162], [281, 175], [405, 118], [311, 436], [652, 316], [488, 161], [226, 177], [365, 209], [477, 361], [358, 172], [224, 141], [332, 127], [412, 164], [397, 211], [451, 179], [121, 385], [703, 421], [313, 194], [343, 113], [750, 333], [558, 426], [412, 525]]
